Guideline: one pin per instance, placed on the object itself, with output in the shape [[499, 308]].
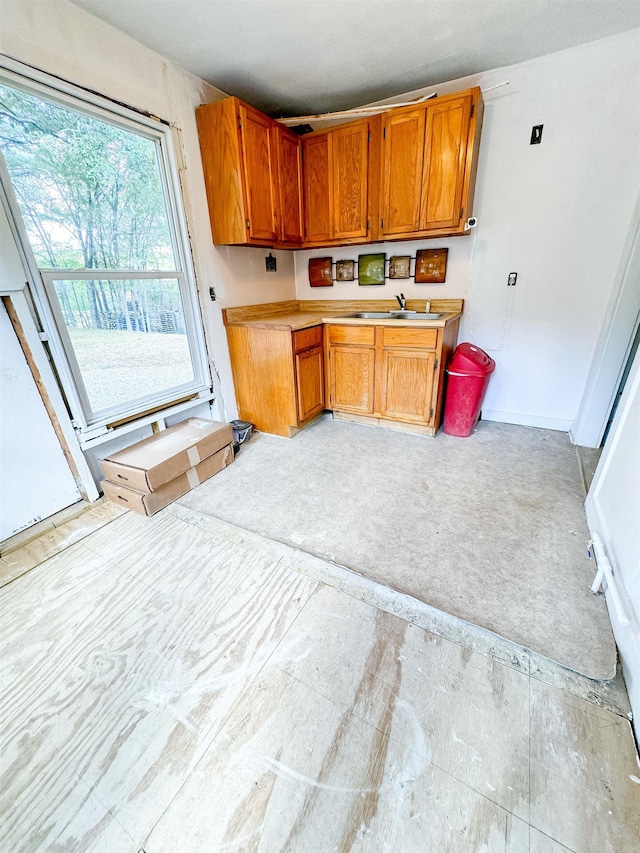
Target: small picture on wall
[[371, 269], [320, 272], [400, 266], [345, 270], [431, 266]]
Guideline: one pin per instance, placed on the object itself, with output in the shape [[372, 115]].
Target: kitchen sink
[[390, 315]]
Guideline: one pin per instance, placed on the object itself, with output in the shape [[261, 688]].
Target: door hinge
[[368, 224], [461, 212], [382, 223], [369, 136], [248, 221], [435, 364], [430, 412], [473, 109], [384, 133], [239, 124]]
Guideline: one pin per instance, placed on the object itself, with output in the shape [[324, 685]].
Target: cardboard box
[[148, 503], [159, 459]]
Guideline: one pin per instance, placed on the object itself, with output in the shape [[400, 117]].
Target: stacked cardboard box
[[154, 472]]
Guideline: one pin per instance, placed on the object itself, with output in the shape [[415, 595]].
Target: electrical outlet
[[511, 281], [536, 134], [212, 294]]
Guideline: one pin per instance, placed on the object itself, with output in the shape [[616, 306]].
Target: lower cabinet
[[407, 385], [310, 382], [388, 372], [352, 372], [278, 376]]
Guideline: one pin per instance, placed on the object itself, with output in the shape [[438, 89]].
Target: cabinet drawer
[[305, 338], [403, 337], [364, 335]]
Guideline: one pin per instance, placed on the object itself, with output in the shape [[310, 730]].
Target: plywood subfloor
[[169, 690], [490, 528]]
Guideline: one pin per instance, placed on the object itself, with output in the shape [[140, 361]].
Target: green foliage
[[90, 192]]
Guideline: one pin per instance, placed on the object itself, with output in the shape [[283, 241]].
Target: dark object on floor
[[241, 431]]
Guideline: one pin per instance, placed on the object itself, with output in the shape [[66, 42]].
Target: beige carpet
[[490, 528]]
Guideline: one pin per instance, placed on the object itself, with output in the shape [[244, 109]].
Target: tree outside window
[[94, 203]]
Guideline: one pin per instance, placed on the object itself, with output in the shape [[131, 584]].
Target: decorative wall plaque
[[345, 270], [320, 272], [400, 266], [431, 266], [371, 269]]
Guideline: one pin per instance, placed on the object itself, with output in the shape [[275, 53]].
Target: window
[[94, 198]]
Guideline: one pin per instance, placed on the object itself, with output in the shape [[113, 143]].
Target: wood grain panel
[[352, 335], [328, 308], [402, 154], [335, 307], [263, 377], [221, 162], [294, 771], [317, 191], [350, 170], [310, 382], [306, 338], [407, 385], [444, 162], [123, 682], [405, 337], [352, 378], [259, 171], [288, 149]]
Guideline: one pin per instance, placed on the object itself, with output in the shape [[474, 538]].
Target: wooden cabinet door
[[350, 171], [310, 382], [402, 153], [445, 155], [287, 146], [223, 174], [259, 175], [351, 378], [407, 385], [317, 188]]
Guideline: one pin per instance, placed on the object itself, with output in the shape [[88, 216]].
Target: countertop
[[294, 316]]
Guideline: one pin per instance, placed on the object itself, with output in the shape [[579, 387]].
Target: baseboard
[[561, 424]]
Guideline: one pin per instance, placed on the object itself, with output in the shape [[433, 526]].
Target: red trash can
[[468, 375]]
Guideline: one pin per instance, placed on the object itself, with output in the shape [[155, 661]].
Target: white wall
[[613, 511], [59, 38], [556, 213]]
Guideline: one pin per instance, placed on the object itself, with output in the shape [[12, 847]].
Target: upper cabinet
[[252, 175], [289, 185], [339, 179], [403, 147], [318, 201], [405, 174], [429, 157]]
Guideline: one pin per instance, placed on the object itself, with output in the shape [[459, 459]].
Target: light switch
[[536, 134]]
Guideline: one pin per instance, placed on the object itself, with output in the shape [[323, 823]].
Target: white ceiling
[[292, 57]]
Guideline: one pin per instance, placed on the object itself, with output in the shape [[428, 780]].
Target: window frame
[[91, 423]]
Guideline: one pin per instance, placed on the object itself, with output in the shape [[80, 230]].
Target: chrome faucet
[[402, 302]]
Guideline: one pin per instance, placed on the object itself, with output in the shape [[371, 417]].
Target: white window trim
[[68, 95]]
